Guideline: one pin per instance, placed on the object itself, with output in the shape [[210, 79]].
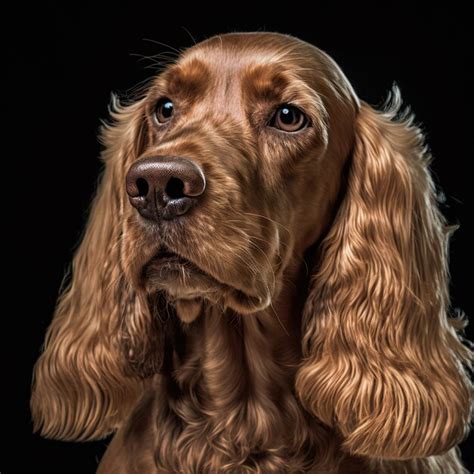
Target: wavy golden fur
[[315, 336]]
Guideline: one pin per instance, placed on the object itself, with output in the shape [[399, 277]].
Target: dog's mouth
[[165, 256], [167, 267], [182, 279]]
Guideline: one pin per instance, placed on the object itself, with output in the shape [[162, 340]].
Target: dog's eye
[[164, 110], [288, 118]]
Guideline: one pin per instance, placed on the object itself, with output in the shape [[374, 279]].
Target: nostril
[[142, 186], [175, 188]]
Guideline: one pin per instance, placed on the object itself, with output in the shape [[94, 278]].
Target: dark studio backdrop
[[62, 64]]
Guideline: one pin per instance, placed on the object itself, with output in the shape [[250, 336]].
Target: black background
[[62, 64]]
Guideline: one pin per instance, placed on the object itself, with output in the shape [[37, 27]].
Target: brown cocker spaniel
[[263, 283]]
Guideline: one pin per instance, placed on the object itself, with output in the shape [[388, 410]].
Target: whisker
[[278, 319], [159, 43], [189, 34], [244, 213], [241, 222]]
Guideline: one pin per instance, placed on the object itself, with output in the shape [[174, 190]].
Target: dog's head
[[237, 156], [240, 156]]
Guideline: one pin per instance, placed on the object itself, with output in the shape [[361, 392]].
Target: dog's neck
[[247, 343], [227, 387]]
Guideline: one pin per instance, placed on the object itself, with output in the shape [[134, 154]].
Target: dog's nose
[[164, 187]]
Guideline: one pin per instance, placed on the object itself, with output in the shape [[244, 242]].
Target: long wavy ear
[[382, 361], [80, 388]]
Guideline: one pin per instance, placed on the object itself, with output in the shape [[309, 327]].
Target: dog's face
[[252, 113]]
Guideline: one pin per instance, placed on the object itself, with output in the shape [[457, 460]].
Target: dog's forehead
[[228, 65], [224, 74], [235, 52], [226, 61]]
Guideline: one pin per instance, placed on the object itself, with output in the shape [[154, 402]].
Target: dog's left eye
[[164, 110], [289, 118]]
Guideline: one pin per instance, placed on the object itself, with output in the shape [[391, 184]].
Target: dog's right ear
[[83, 386]]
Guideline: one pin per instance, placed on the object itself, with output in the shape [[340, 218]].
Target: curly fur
[[254, 365]]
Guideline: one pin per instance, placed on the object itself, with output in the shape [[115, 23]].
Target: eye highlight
[[164, 110], [288, 118]]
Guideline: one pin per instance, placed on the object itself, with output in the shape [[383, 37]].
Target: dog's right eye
[[164, 110]]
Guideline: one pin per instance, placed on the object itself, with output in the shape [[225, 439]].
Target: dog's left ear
[[382, 361]]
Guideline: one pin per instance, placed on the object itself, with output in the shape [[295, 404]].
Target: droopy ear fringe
[[80, 389], [382, 361]]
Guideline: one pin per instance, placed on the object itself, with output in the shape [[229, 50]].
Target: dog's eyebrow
[[264, 82], [188, 80]]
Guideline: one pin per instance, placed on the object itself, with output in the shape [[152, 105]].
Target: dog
[[263, 283]]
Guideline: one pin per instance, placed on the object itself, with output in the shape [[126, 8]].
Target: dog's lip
[[164, 255], [169, 258]]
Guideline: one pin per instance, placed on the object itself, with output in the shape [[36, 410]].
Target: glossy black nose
[[164, 187]]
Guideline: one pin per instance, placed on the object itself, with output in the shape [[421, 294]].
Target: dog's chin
[[178, 277], [187, 287]]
